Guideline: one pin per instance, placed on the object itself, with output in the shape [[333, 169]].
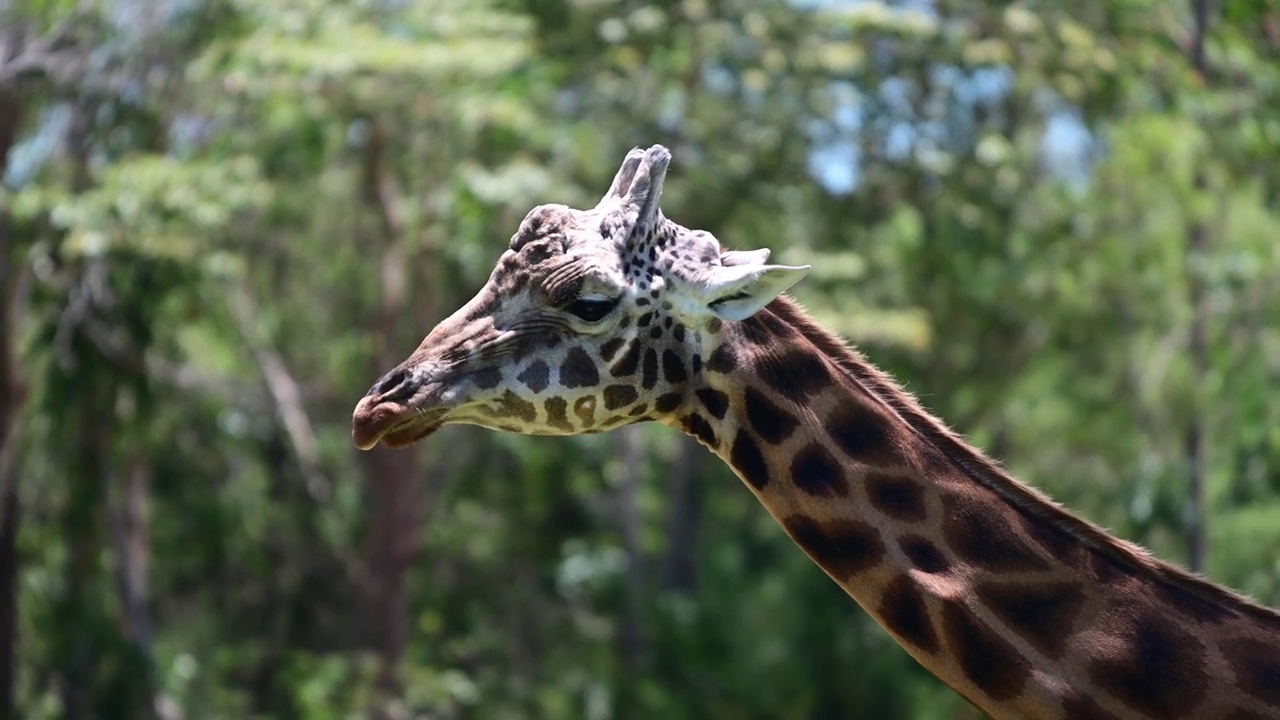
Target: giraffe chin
[[407, 434], [394, 429]]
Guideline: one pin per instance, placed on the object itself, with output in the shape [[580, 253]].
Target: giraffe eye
[[591, 309]]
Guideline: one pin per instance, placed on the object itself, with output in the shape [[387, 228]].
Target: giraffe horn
[[622, 181], [646, 188]]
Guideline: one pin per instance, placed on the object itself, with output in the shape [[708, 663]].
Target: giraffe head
[[591, 320]]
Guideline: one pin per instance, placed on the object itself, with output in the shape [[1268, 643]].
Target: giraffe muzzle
[[398, 410], [392, 424]]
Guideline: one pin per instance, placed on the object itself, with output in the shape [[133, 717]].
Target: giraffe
[[601, 318]]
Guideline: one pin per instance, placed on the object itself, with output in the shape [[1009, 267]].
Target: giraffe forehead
[[569, 270], [669, 246], [557, 276], [561, 253]]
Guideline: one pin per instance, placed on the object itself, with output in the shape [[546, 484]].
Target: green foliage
[[154, 206], [232, 190]]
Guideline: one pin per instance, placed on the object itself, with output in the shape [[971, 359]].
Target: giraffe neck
[[1023, 608]]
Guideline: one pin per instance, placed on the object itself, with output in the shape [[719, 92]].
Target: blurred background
[[222, 220]]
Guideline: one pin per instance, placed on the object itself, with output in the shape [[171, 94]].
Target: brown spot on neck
[[978, 530], [923, 554], [716, 402], [668, 402], [1257, 668], [901, 498], [746, 458], [903, 612], [793, 372], [697, 426], [987, 660], [843, 548], [862, 432], [1041, 612], [770, 421], [1152, 665], [816, 472], [722, 360]]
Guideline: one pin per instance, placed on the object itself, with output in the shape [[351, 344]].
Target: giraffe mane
[[1024, 498]]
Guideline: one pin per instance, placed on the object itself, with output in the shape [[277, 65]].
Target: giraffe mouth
[[393, 424]]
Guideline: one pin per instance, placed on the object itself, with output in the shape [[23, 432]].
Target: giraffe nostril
[[389, 382]]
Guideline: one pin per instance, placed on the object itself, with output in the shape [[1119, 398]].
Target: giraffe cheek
[[509, 409]]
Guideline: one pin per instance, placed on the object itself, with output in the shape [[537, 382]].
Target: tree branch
[[53, 55], [285, 392]]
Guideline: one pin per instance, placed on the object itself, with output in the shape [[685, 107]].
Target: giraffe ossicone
[[594, 319]]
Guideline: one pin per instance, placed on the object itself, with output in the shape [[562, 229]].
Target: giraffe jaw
[[393, 424]]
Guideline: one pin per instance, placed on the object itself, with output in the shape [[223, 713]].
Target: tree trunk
[[392, 479], [129, 532], [130, 542], [83, 526], [1198, 344], [10, 403], [395, 479], [680, 566], [631, 634], [8, 599]]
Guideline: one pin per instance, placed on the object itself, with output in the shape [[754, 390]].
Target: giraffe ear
[[744, 257], [739, 291]]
